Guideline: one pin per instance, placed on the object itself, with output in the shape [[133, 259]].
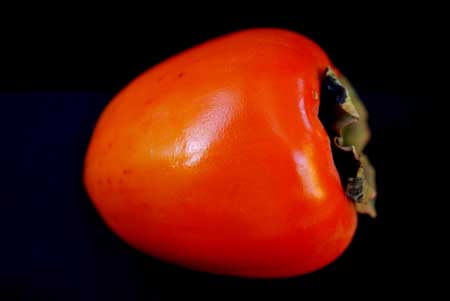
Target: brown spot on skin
[[180, 75], [315, 95], [126, 171], [108, 180]]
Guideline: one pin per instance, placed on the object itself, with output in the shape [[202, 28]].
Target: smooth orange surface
[[216, 160]]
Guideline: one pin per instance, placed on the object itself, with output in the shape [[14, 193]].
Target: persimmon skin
[[216, 160]]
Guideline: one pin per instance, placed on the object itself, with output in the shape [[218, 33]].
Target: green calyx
[[347, 122]]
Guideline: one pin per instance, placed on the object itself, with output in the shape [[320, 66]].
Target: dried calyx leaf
[[345, 118]]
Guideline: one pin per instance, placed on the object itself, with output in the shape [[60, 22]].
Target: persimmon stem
[[345, 119]]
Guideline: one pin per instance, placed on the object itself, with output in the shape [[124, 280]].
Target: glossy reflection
[[207, 128], [301, 105], [303, 113], [308, 173]]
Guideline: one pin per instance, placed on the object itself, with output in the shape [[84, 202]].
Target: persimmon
[[216, 159]]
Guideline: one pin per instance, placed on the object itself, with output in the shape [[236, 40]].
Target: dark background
[[56, 77]]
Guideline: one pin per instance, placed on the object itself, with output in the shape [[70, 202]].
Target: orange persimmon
[[216, 159]]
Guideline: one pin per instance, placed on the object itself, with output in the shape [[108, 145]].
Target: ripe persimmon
[[216, 159]]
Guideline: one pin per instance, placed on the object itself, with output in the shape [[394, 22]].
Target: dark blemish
[[108, 180], [110, 145], [334, 90], [160, 78], [180, 75], [99, 182], [126, 171]]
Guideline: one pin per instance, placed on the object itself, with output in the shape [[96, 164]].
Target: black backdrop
[[56, 77]]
